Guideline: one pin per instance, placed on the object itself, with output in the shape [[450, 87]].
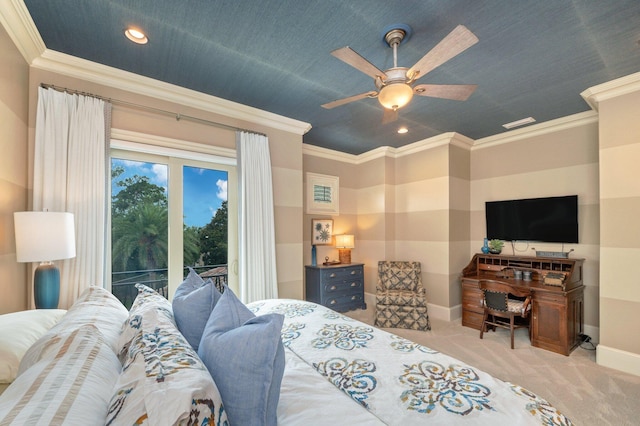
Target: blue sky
[[204, 189]]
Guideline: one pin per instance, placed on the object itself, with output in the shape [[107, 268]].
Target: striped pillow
[[95, 306], [74, 385]]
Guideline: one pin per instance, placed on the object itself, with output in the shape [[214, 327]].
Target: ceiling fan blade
[[351, 57], [458, 40], [353, 98], [456, 92], [389, 116]]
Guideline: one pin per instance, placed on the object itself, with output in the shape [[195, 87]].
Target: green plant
[[496, 245]]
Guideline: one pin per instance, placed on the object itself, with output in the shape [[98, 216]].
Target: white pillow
[[18, 331]]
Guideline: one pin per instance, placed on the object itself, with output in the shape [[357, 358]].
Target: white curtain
[[70, 175], [257, 273]]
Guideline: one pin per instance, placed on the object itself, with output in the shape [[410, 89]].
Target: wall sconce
[[344, 244], [44, 237]]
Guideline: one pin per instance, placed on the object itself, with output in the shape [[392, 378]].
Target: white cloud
[[160, 171], [131, 163], [222, 189]]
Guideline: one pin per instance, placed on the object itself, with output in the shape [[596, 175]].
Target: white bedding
[[385, 379], [304, 393]]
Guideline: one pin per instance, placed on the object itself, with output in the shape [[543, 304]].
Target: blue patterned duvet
[[398, 381]]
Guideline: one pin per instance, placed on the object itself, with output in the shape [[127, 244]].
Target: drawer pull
[[332, 275], [354, 284], [333, 302], [353, 272], [333, 287], [354, 297]]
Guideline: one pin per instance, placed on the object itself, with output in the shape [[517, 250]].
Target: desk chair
[[502, 309]]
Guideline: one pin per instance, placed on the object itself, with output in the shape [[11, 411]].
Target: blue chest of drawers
[[339, 287]]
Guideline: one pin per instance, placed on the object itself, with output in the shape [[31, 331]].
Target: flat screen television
[[550, 219]]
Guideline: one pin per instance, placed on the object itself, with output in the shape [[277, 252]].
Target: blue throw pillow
[[245, 357], [192, 304]]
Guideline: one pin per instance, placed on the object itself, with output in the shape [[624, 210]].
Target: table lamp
[[45, 237], [344, 244]]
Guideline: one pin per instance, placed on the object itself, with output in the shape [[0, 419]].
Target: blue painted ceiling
[[533, 58]]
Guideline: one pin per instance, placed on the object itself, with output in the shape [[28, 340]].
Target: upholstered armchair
[[400, 296]]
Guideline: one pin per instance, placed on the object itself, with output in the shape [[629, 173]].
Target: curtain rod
[[178, 116]]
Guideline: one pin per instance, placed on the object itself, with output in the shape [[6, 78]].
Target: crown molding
[[451, 138], [330, 154], [17, 21], [559, 124], [71, 66], [611, 89]]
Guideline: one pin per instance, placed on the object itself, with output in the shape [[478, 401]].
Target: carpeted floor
[[585, 392]]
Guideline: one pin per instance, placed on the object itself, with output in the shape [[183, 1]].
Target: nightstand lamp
[[344, 244], [44, 237]]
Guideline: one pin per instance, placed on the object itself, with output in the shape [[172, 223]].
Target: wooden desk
[[557, 316]]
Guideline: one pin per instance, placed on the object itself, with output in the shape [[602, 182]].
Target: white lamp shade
[[345, 241], [395, 95], [44, 236]]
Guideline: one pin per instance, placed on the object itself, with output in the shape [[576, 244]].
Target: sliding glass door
[[167, 214]]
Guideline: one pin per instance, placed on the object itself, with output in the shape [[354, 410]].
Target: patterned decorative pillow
[[95, 306], [73, 386], [147, 300], [163, 382], [192, 304], [245, 357]]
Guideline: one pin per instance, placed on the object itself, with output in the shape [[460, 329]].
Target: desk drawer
[[474, 305], [472, 319]]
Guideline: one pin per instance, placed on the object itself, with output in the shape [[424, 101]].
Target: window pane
[[139, 227], [205, 213]]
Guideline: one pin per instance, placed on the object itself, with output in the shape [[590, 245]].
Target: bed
[[385, 379], [101, 364]]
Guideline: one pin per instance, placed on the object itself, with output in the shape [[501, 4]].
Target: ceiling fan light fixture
[[395, 95]]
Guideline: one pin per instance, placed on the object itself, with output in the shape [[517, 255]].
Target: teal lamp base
[[46, 286]]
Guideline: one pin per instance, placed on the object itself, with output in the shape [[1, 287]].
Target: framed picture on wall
[[322, 194], [321, 231]]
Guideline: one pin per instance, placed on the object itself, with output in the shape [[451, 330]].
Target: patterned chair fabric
[[400, 296]]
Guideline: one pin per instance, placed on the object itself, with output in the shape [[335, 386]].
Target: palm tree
[[140, 238], [190, 245]]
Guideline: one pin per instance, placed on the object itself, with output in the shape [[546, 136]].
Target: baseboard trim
[[593, 332], [618, 359], [445, 314]]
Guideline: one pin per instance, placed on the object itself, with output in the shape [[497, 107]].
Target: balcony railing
[[123, 283]]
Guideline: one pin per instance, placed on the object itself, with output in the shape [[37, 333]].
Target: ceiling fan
[[395, 85]]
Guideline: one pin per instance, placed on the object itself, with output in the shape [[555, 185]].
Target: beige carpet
[[585, 392]]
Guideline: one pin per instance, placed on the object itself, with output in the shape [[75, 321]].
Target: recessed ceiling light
[[136, 36], [519, 123], [403, 130]]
